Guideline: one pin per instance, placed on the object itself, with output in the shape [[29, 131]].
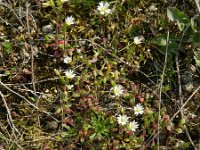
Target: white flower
[[69, 74], [67, 60], [138, 39], [117, 90], [139, 109], [104, 8], [133, 125], [69, 20], [153, 8], [79, 50], [122, 119]]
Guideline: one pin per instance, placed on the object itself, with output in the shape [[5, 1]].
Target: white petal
[[108, 11], [101, 4], [106, 4]]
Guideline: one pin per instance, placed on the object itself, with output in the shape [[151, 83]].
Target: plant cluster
[[89, 74]]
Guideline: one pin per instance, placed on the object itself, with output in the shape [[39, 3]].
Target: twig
[[2, 59], [12, 125], [197, 4], [32, 58], [161, 87], [52, 137], [31, 46], [172, 118], [180, 88], [8, 140], [29, 90], [36, 82], [6, 5], [9, 89], [4, 21], [181, 99]]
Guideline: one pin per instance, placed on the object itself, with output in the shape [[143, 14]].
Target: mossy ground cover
[[90, 74]]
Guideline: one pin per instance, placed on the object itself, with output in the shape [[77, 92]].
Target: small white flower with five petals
[[117, 90], [139, 39], [139, 109], [133, 125], [69, 20], [67, 60], [122, 119], [69, 74], [104, 8]]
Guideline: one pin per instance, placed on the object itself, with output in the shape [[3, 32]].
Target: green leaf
[[182, 122], [179, 130], [49, 3], [166, 88], [181, 26], [49, 38], [160, 40], [75, 95], [197, 61], [180, 17], [193, 24], [64, 134], [115, 43], [7, 47], [196, 40], [62, 78], [91, 137], [175, 14], [57, 72], [197, 58]]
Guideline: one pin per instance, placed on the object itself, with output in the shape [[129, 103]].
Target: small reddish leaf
[[166, 117], [69, 121], [47, 147], [62, 42], [141, 99], [85, 133]]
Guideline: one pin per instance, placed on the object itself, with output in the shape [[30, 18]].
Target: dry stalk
[[36, 82], [32, 57], [197, 5], [180, 89], [31, 46], [10, 8], [10, 120], [181, 100], [172, 118], [186, 102], [31, 104], [8, 140], [160, 90]]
